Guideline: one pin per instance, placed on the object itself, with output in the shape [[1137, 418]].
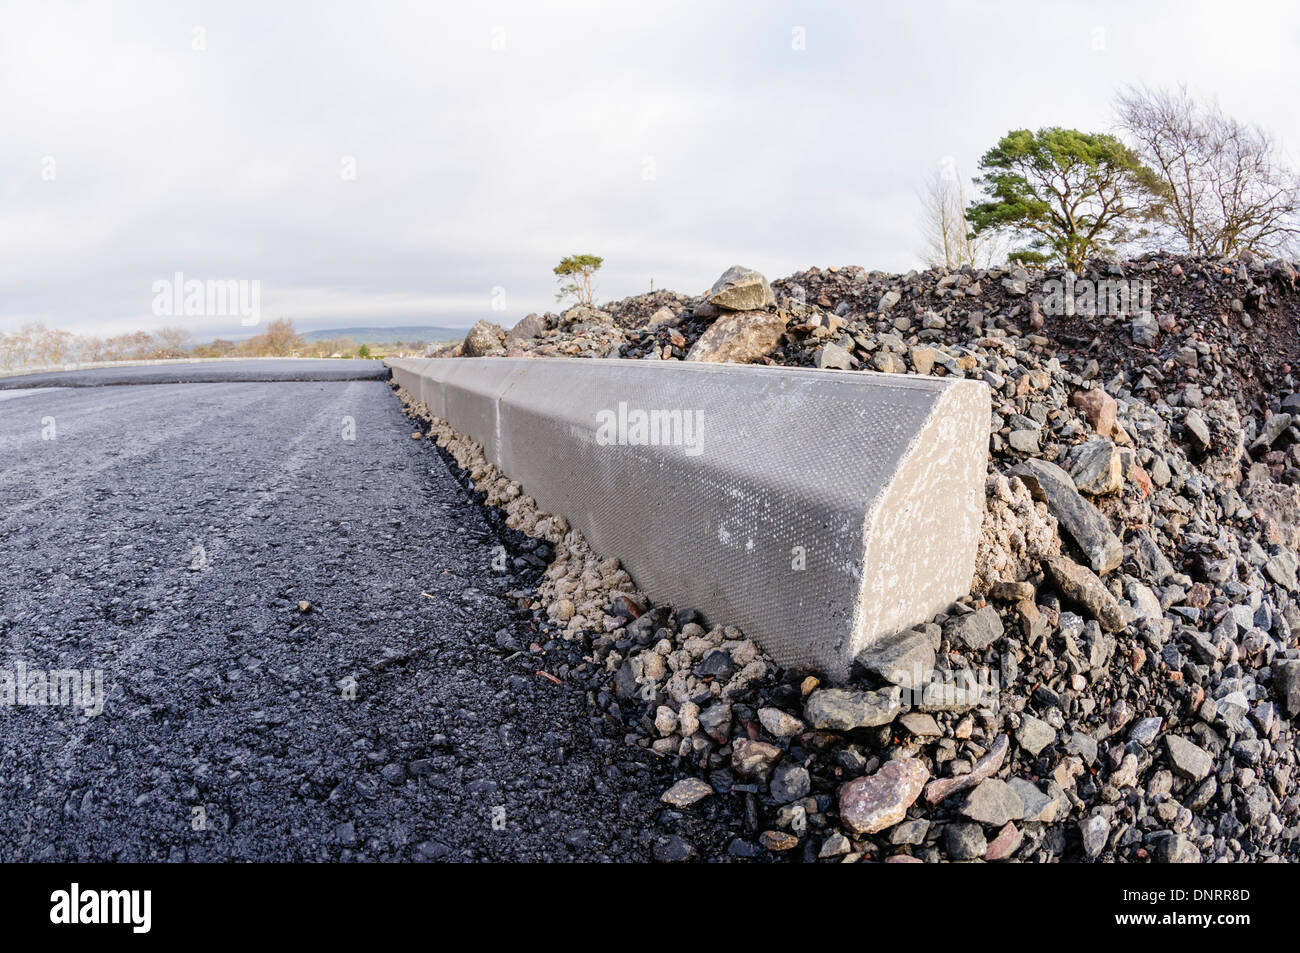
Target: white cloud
[[479, 167]]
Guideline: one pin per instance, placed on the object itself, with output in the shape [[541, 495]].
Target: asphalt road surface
[[166, 535]]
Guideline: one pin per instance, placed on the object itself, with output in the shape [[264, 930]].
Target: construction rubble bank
[[1122, 682]]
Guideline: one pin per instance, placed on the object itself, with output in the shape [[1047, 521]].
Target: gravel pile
[[1123, 680]]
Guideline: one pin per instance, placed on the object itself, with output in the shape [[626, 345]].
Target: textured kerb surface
[[817, 510]]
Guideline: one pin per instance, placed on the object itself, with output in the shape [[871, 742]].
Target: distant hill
[[428, 334]]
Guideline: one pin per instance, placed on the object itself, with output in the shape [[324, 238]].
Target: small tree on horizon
[[1071, 194], [576, 272]]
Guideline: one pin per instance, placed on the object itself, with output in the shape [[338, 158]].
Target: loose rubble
[[1126, 665]]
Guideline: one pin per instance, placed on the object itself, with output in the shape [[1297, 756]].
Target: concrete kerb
[[819, 511]]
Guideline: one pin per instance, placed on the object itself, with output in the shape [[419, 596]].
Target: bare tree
[[53, 347], [948, 240], [219, 347], [136, 346], [171, 343], [280, 339], [14, 349], [88, 349], [1224, 188]]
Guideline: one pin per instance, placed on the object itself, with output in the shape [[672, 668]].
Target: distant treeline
[[35, 345]]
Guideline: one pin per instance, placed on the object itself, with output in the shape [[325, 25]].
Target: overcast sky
[[388, 163]]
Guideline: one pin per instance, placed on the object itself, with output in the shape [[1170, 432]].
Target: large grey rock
[[1286, 685], [1282, 569], [1038, 807], [1096, 467], [832, 357], [789, 783], [1094, 831], [1274, 427], [910, 832], [1146, 730], [1085, 746], [1175, 848], [1151, 560], [965, 841], [993, 801], [625, 681], [1027, 440], [906, 659], [822, 532], [888, 362], [978, 630], [1144, 330], [716, 721], [839, 709], [482, 338], [526, 329], [920, 724], [1198, 434], [741, 289], [1188, 760], [1034, 734], [741, 337], [778, 723], [1084, 589], [1080, 519]]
